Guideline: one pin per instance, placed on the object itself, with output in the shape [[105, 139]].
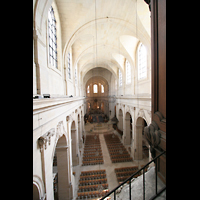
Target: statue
[[152, 136]]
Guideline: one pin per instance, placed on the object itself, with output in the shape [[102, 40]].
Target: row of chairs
[[117, 152], [120, 156], [92, 146], [114, 141], [125, 169], [92, 177], [117, 160], [123, 173], [91, 187], [116, 149], [91, 154], [117, 146], [120, 174], [93, 182], [92, 162], [95, 142], [93, 172], [123, 178], [93, 158]]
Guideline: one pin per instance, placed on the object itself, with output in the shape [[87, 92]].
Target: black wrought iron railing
[[128, 180]]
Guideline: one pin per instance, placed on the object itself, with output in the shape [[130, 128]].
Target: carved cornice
[[46, 138], [68, 118], [60, 129]]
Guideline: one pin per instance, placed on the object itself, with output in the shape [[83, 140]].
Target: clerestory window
[[142, 62], [88, 89], [102, 89], [95, 88], [120, 78], [69, 66], [128, 72], [52, 38]]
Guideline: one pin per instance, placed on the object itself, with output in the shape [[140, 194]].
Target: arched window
[[95, 88], [88, 89], [75, 75], [120, 78], [142, 62], [52, 38], [102, 89], [69, 66], [128, 72]]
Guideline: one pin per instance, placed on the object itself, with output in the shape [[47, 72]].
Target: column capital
[[46, 138]]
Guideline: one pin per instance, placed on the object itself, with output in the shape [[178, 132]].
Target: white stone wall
[[137, 106], [55, 116]]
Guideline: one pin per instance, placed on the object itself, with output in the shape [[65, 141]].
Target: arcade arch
[[64, 189], [74, 145], [35, 192], [128, 129], [120, 118], [139, 140]]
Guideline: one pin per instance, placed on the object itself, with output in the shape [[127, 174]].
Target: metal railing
[[157, 193]]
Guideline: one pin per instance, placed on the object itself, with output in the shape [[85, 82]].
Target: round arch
[[128, 129], [36, 194], [61, 184], [74, 145], [138, 142], [120, 123], [38, 188], [79, 131], [90, 66], [96, 80]]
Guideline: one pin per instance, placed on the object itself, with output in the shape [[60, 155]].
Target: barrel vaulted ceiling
[[106, 37]]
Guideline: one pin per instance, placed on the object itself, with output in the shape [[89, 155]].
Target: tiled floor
[[108, 165]]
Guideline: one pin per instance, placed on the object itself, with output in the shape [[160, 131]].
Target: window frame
[[52, 38], [128, 72], [88, 89], [69, 65], [95, 91], [102, 89], [142, 62], [120, 78]]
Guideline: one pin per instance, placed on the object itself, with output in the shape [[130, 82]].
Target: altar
[[97, 118]]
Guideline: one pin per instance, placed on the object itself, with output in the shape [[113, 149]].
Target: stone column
[[62, 166], [127, 138], [138, 143]]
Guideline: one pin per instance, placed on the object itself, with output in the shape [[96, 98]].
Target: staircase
[[147, 186]]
